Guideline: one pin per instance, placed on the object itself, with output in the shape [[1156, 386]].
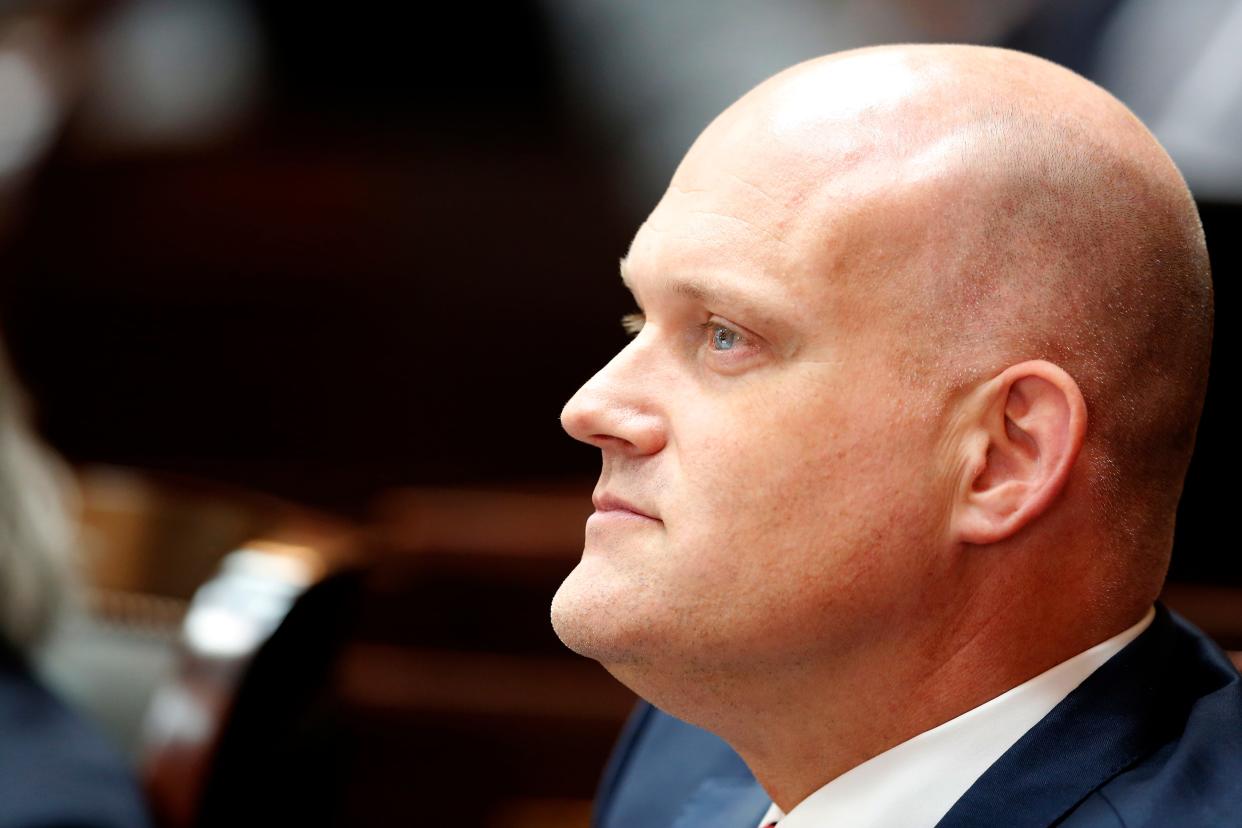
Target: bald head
[[923, 343], [977, 207]]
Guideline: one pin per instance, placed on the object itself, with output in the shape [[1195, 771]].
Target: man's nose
[[616, 411]]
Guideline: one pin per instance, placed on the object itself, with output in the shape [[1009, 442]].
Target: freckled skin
[[844, 535]]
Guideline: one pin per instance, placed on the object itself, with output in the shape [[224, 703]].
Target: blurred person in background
[[54, 768], [891, 465]]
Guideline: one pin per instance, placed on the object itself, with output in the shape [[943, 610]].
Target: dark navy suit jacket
[[1151, 738], [55, 771]]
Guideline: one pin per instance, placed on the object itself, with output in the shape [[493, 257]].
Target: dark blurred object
[[278, 754], [193, 592], [258, 642], [1204, 547]]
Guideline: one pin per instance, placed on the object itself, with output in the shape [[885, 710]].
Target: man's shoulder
[[1192, 779], [1152, 738], [54, 768]]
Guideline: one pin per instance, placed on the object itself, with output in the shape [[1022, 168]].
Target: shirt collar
[[916, 782]]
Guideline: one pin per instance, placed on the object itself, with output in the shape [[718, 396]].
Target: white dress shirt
[[915, 783]]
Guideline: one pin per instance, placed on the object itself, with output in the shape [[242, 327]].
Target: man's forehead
[[795, 239], [727, 214], [706, 283], [820, 117], [781, 204], [747, 171], [706, 248], [805, 181]]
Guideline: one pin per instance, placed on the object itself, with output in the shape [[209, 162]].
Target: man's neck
[[801, 729]]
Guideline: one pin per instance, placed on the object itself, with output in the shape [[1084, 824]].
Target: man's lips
[[611, 503]]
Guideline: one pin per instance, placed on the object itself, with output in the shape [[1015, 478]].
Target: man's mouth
[[606, 503]]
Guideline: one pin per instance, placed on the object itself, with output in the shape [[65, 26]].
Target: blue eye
[[723, 339]]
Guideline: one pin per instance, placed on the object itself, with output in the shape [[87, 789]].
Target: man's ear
[[1021, 433]]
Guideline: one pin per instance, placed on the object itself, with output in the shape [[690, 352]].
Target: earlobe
[[1024, 431]]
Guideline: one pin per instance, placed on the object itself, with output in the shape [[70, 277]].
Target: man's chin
[[593, 623], [575, 623]]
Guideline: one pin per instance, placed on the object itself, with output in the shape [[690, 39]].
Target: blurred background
[[298, 290]]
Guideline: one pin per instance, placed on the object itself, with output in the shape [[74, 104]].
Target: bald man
[[891, 464]]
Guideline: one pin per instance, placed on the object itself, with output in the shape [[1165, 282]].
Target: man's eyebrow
[[725, 300], [717, 296]]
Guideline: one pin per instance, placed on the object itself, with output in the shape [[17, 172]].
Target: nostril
[[609, 441]]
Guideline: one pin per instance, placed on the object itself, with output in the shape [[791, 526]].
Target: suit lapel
[[724, 802], [1119, 714]]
